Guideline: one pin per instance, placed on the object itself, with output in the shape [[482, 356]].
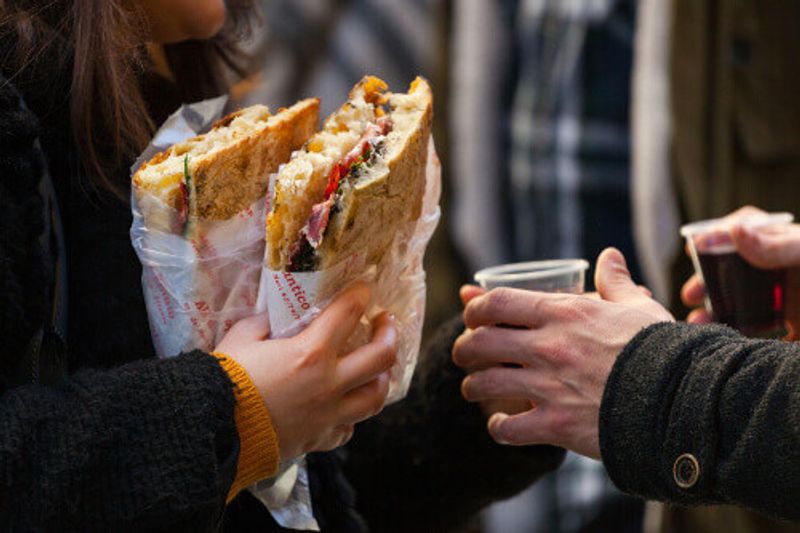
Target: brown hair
[[101, 41]]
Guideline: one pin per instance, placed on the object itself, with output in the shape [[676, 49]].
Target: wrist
[[259, 454]]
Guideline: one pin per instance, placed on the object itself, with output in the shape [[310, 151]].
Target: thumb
[[612, 278]]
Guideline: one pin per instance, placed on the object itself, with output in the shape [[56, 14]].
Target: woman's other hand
[[314, 392]]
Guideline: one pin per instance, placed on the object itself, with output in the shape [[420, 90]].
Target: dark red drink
[[746, 298]]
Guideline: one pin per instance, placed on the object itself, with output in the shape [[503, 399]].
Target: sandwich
[[224, 171], [355, 182]]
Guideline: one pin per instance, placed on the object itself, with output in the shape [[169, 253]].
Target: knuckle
[[376, 404], [574, 309], [387, 356], [461, 348], [485, 383], [345, 435], [471, 385], [558, 350], [354, 307], [486, 306], [498, 299], [313, 351], [546, 306], [465, 387]]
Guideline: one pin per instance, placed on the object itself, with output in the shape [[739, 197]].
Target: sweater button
[[686, 470]]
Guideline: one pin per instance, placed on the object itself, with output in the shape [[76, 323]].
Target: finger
[[699, 316], [364, 402], [468, 292], [510, 307], [367, 362], [745, 211], [501, 382], [338, 321], [768, 250], [252, 329], [521, 429], [613, 280], [490, 345], [693, 291]]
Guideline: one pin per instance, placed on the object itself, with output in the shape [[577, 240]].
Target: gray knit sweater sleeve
[[703, 415]]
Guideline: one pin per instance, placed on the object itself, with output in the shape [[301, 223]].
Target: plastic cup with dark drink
[[749, 299]]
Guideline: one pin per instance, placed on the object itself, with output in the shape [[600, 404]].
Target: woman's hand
[[314, 392], [558, 357], [770, 247]]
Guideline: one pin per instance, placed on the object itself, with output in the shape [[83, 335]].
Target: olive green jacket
[[735, 99]]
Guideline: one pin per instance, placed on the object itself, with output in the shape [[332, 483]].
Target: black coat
[[702, 415], [111, 438]]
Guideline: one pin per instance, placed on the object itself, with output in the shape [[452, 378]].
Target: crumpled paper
[[197, 286]]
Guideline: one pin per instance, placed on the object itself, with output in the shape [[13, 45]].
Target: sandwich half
[[355, 182], [222, 172]]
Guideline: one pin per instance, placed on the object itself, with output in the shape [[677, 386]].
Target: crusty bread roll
[[375, 194], [218, 174]]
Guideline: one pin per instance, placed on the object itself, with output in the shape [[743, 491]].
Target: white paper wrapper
[[196, 287], [293, 299]]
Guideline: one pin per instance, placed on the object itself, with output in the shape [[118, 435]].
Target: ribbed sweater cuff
[[258, 444]]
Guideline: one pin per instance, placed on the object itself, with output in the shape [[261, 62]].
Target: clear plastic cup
[[747, 298], [560, 275]]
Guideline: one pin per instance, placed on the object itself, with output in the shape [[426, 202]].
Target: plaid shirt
[[569, 139], [568, 195]]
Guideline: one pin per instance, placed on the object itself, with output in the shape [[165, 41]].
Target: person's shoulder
[[19, 126]]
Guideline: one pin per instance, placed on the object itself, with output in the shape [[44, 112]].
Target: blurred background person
[[540, 158], [716, 124]]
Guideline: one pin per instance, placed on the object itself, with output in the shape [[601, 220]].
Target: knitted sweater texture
[[731, 402]]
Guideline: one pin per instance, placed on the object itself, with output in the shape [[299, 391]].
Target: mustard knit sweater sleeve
[[259, 455]]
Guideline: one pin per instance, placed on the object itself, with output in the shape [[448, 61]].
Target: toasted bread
[[302, 181], [371, 208], [389, 193], [230, 165]]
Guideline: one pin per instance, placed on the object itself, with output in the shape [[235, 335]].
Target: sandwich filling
[[345, 172]]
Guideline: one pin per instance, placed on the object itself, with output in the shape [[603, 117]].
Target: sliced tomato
[[333, 180]]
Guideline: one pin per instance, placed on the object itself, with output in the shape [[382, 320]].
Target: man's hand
[[509, 406], [557, 354]]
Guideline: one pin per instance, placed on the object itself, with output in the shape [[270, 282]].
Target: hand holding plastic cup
[[747, 298], [561, 275], [564, 275]]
